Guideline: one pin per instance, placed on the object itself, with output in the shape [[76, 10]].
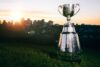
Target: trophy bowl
[[68, 10]]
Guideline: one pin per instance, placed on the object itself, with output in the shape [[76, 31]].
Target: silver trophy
[[69, 40]]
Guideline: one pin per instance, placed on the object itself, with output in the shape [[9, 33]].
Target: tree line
[[42, 32]]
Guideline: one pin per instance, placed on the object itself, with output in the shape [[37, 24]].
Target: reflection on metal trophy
[[69, 40]]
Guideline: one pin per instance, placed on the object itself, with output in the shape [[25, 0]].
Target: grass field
[[32, 55]]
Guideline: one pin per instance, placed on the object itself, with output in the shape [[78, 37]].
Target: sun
[[16, 15]]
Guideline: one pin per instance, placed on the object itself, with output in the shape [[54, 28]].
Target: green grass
[[20, 55]]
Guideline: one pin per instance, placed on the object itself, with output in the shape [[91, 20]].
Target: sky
[[48, 9]]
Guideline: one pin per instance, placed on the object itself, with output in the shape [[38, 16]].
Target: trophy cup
[[69, 40]]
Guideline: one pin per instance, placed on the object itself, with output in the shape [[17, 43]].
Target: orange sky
[[48, 10]]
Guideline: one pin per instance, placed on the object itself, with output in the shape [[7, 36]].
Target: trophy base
[[69, 57]]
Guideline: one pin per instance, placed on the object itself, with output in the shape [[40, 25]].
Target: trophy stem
[[68, 18]]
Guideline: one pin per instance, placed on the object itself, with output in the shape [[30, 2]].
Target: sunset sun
[[16, 15]]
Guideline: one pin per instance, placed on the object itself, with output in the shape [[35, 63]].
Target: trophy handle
[[59, 9], [77, 5]]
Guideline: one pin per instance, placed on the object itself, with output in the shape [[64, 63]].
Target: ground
[[32, 55]]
